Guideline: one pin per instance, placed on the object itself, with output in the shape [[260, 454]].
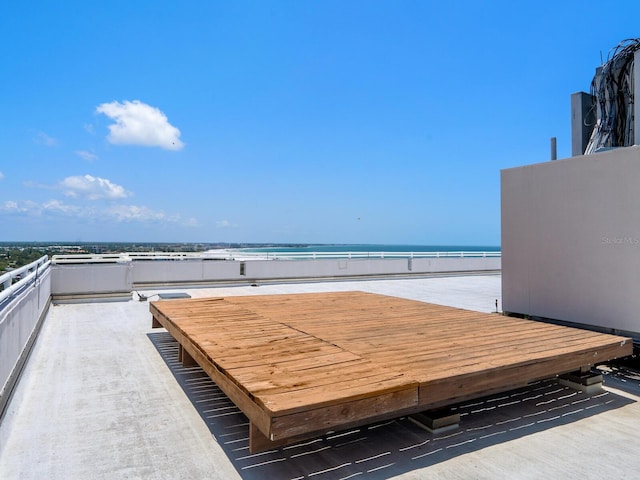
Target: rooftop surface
[[104, 396]]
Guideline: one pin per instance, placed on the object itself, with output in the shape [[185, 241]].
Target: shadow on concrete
[[623, 374], [384, 450]]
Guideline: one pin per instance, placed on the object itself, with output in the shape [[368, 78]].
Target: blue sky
[[296, 121]]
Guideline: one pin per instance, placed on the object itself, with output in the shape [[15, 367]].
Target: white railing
[[244, 255], [13, 281], [211, 255], [24, 300], [84, 258], [90, 258], [368, 255]]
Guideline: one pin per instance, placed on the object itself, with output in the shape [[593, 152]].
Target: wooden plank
[[186, 359], [323, 419], [302, 364], [238, 396], [259, 442], [155, 323], [458, 386]]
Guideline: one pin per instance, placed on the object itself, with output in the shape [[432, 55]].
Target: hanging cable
[[613, 87]]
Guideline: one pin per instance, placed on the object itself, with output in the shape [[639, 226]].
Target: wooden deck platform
[[299, 365]]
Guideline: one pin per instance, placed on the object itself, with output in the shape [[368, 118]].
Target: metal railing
[[267, 255], [90, 258], [15, 280], [84, 258], [24, 300], [368, 255]]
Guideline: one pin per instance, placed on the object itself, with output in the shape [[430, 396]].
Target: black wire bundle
[[612, 87]]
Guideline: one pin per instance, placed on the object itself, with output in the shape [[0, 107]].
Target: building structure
[[571, 228]]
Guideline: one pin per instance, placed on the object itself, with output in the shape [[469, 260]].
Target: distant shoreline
[[204, 246]]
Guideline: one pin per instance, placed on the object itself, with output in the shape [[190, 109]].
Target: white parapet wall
[[21, 313], [191, 270], [120, 277], [264, 269], [571, 240], [92, 278]]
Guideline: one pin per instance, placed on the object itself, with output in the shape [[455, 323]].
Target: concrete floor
[[103, 396]]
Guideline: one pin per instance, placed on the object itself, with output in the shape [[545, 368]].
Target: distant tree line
[[17, 257]]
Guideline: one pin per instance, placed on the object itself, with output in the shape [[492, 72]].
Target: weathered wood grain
[[303, 364]]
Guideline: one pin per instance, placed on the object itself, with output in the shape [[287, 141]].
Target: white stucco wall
[[172, 271], [571, 239], [116, 278], [90, 278], [19, 317]]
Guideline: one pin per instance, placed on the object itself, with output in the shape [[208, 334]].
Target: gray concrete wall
[[194, 270], [19, 319], [266, 269], [202, 271], [91, 278], [118, 278], [472, 264], [571, 239]]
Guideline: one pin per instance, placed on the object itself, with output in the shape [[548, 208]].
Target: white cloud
[[140, 124], [28, 207], [1, 175], [92, 188], [10, 207], [112, 213], [127, 213], [104, 207], [44, 139], [86, 155], [225, 224], [135, 213], [56, 206], [89, 128]]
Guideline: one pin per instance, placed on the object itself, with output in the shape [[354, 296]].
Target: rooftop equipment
[[612, 97]]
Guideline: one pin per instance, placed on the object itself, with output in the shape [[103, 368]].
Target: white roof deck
[[104, 396]]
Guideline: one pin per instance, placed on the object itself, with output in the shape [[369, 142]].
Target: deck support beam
[[259, 443], [185, 358], [585, 380], [436, 421]]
